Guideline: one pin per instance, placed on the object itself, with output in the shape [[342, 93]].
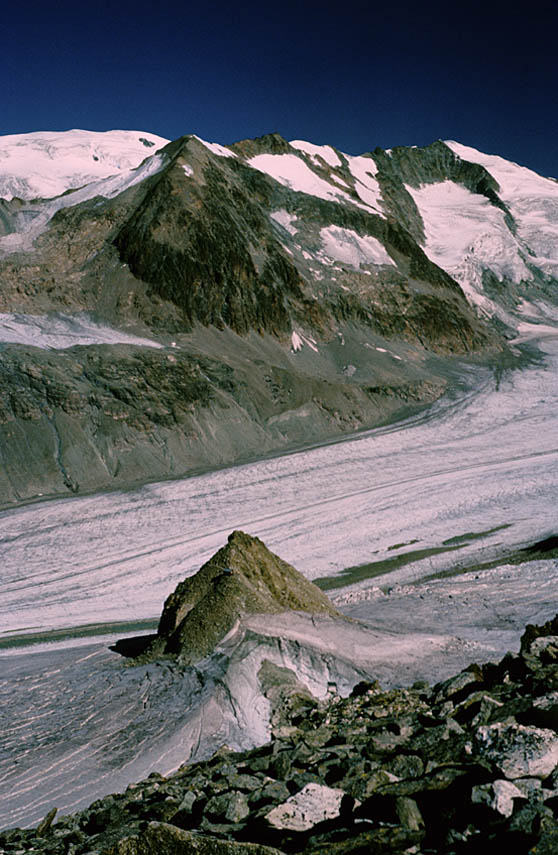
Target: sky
[[355, 75]]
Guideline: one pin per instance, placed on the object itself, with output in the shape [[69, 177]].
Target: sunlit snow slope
[[47, 163], [497, 252]]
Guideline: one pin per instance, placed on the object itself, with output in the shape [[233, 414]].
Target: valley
[[470, 480], [352, 359]]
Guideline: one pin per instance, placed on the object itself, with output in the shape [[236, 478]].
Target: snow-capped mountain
[[496, 249], [297, 292], [48, 163]]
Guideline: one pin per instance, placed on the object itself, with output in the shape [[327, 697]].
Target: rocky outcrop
[[465, 766], [163, 838], [243, 578]]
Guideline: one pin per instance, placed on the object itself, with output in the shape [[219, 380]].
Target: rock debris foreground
[[466, 766]]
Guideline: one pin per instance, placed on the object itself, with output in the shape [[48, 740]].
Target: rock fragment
[[315, 803], [519, 751]]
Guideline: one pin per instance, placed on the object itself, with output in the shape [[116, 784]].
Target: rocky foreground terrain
[[469, 765]]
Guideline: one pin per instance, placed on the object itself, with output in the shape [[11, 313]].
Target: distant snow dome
[[48, 163], [106, 187], [352, 249]]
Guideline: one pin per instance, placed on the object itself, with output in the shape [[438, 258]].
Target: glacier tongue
[[57, 332]]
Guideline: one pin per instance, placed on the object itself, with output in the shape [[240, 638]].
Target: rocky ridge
[[468, 765]]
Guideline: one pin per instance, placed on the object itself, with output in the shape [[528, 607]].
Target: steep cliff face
[[310, 293]]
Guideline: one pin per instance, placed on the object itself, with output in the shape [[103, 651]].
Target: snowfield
[[58, 332], [47, 163], [325, 152], [293, 172], [352, 249]]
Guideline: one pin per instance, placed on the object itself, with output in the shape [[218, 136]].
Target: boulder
[[315, 803], [499, 795], [160, 838], [518, 751]]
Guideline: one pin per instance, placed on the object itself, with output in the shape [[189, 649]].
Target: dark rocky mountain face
[[290, 288]]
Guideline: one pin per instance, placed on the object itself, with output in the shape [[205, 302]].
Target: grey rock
[[409, 814], [313, 804], [232, 807], [45, 825], [517, 750], [500, 795], [164, 839]]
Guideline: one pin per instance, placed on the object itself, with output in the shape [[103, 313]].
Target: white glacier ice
[[466, 234], [58, 331], [47, 163]]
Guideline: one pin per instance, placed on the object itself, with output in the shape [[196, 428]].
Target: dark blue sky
[[356, 75]]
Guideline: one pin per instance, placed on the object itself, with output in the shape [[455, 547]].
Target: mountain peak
[[242, 578]]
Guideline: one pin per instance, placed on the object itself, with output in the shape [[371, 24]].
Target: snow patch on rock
[[285, 220], [291, 171], [325, 152], [216, 148], [367, 187], [353, 249], [298, 340], [58, 332]]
